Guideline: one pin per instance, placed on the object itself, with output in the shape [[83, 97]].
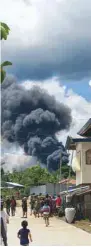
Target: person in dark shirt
[[47, 199], [24, 206], [8, 203], [24, 234], [32, 202], [13, 206], [42, 202]]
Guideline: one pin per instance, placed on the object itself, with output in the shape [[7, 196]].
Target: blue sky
[[80, 87]]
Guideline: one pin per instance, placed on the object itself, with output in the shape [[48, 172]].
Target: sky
[[50, 45]]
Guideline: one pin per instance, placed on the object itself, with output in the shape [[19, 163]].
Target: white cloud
[[80, 107], [54, 34], [90, 83]]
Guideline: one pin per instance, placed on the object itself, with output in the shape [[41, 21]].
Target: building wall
[[63, 187], [87, 206], [86, 169], [52, 189], [38, 189], [84, 175], [49, 188]]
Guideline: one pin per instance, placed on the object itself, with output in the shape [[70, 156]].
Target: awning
[[15, 185]]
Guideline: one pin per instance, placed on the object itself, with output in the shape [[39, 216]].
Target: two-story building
[[81, 163]]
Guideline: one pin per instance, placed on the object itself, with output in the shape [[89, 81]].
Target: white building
[[82, 161]]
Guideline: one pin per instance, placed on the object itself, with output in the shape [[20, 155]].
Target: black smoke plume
[[32, 118]]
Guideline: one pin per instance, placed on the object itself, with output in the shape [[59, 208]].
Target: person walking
[[42, 201], [54, 205], [51, 206], [58, 203], [37, 207], [46, 212], [32, 202], [13, 206], [4, 217], [24, 207], [8, 202], [24, 234]]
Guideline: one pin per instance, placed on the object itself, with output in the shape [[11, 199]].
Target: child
[[46, 212], [24, 234]]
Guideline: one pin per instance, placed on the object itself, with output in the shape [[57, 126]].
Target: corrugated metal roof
[[70, 181], [83, 192], [85, 128]]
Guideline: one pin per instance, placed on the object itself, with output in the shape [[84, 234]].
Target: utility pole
[[60, 170]]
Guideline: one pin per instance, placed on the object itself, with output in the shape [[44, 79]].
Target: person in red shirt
[[58, 201]]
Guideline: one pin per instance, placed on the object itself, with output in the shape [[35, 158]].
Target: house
[[82, 160], [81, 163]]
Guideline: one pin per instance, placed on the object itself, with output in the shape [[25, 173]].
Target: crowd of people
[[40, 206], [37, 203]]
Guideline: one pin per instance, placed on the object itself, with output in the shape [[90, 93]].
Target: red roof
[[70, 181]]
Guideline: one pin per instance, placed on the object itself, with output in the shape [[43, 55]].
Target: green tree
[[4, 30], [33, 176]]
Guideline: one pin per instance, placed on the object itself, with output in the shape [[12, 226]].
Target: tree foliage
[[4, 30], [35, 175]]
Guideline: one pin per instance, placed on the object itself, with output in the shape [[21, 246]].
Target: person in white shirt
[[5, 217]]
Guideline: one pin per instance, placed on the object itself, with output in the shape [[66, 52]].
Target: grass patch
[[84, 225]]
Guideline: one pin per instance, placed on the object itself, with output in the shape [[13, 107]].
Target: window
[[88, 157]]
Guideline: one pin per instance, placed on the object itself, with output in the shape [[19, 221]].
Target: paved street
[[58, 233]]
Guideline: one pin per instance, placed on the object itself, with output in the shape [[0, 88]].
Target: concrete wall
[[38, 189], [50, 189], [84, 175], [63, 187]]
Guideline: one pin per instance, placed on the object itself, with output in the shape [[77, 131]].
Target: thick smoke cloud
[[32, 118]]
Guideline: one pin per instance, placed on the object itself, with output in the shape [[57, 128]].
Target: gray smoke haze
[[13, 157], [32, 118]]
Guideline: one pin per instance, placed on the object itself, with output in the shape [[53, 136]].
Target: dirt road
[[58, 233]]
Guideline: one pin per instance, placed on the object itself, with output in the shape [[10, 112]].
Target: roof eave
[[85, 128], [70, 145]]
